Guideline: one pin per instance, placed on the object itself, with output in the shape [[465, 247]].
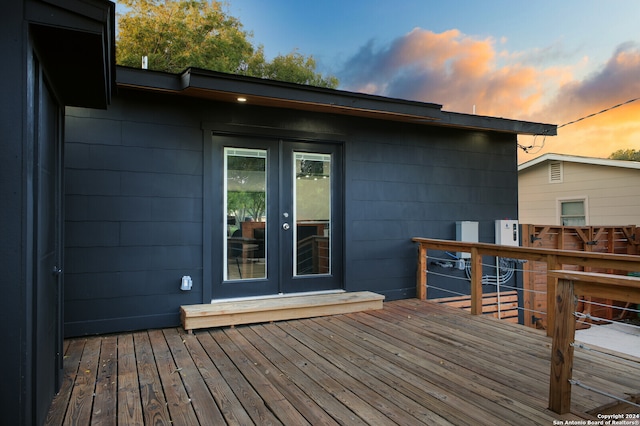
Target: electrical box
[[507, 233], [466, 231]]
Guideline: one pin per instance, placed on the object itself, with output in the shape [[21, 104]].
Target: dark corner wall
[[48, 47], [134, 200]]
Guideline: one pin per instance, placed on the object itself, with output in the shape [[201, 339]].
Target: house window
[[573, 213], [555, 172]]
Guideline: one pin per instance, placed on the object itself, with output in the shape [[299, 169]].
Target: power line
[[600, 112], [528, 149]]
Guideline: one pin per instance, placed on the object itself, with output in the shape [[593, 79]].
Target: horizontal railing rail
[[562, 288], [554, 260]]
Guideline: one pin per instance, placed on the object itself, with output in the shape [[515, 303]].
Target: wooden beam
[[476, 282], [552, 284], [562, 349], [421, 275], [623, 262], [606, 286]]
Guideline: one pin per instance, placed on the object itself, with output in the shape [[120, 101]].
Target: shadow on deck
[[410, 363]]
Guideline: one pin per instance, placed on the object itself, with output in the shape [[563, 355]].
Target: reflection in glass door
[[277, 217], [245, 201], [312, 214], [310, 223]]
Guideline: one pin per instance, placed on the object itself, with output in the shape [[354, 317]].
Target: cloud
[[452, 69], [460, 71], [615, 82]]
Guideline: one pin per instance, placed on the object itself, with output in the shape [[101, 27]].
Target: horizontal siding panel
[[161, 185], [98, 131], [153, 135], [160, 233], [92, 234], [92, 182], [111, 209], [132, 258], [109, 285]]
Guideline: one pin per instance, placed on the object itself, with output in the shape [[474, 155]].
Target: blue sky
[[540, 60], [334, 30]]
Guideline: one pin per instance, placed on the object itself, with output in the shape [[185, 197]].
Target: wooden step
[[251, 311]]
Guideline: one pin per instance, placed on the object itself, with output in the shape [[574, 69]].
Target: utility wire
[[528, 149], [598, 113]]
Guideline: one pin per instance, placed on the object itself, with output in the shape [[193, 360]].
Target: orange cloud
[[462, 72]]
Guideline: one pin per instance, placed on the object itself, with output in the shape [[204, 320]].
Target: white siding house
[[570, 190]]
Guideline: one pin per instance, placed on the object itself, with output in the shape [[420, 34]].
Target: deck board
[[80, 402], [411, 363], [154, 404], [129, 400], [105, 406]]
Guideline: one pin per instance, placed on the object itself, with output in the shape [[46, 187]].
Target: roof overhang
[[270, 93], [75, 41]]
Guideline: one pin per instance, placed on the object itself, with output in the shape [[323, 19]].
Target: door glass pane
[[245, 200], [312, 214]]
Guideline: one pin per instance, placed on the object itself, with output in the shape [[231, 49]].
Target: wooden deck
[[411, 363]]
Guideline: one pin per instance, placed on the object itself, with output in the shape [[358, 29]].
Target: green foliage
[[625, 154], [178, 34], [297, 68]]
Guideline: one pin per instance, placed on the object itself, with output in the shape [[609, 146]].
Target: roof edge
[[292, 95], [579, 159]]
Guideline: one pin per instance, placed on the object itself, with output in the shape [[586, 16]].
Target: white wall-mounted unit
[[507, 233], [466, 231]]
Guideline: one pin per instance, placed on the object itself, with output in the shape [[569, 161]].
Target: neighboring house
[[54, 53], [298, 189], [574, 191]]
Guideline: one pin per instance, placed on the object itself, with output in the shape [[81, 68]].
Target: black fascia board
[[87, 15], [420, 112], [149, 79], [498, 124], [210, 80]]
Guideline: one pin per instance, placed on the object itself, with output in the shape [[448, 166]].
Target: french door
[[282, 216]]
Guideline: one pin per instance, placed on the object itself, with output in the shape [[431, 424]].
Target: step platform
[[251, 311]]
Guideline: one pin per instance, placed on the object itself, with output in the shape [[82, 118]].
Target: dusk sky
[[547, 61]]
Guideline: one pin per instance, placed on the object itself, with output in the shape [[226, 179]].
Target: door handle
[[56, 271], [286, 226]]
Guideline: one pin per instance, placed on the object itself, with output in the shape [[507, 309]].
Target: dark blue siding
[[135, 197], [406, 181], [133, 217]]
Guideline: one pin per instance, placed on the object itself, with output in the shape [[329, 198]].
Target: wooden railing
[[554, 259], [562, 286], [570, 285]]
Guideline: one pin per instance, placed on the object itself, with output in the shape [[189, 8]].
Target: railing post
[[421, 273], [562, 349], [552, 283], [476, 282]]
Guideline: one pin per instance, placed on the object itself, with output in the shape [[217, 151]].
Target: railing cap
[[597, 278]]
